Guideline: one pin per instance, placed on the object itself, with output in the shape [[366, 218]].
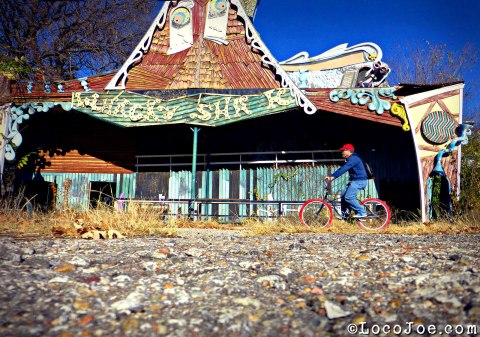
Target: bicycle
[[318, 213]]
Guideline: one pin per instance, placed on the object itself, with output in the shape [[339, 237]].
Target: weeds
[[148, 223], [16, 219]]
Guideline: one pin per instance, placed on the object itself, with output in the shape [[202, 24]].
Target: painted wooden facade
[[202, 65], [437, 129]]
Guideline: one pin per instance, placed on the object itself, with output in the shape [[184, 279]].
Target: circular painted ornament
[[438, 127], [217, 8], [180, 17]]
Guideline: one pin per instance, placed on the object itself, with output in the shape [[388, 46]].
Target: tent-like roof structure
[[210, 48]]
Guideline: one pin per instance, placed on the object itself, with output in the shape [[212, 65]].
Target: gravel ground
[[220, 283]]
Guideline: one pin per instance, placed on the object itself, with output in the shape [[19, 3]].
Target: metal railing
[[221, 209], [210, 160]]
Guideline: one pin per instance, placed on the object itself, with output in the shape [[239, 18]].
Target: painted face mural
[[217, 8], [181, 28], [216, 22], [181, 17]]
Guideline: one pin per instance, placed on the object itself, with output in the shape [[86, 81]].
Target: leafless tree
[[426, 63], [69, 39]]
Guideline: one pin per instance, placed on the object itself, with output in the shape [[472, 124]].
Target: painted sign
[[181, 27], [132, 109], [216, 22]]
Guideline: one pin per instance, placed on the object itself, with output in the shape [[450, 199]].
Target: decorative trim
[[372, 53], [398, 110], [84, 84], [363, 96], [47, 87], [254, 39], [465, 130], [130, 109], [120, 79], [438, 127], [13, 138], [181, 27]]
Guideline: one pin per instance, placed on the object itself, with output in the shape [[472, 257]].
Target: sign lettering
[[133, 107]]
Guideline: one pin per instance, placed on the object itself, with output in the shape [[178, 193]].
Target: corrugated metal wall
[[79, 193], [286, 184]]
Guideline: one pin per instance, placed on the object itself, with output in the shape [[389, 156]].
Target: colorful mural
[[181, 27], [436, 124]]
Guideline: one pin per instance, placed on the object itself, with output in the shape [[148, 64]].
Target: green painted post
[[194, 171], [194, 162]]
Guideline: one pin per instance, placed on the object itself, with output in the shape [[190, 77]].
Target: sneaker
[[359, 216]]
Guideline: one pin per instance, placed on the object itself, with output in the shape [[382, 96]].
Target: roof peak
[[195, 43]]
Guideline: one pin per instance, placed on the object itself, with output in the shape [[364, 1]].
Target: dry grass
[[70, 223], [338, 227], [148, 222]]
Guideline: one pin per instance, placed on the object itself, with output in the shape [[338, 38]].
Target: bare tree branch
[[426, 63], [62, 38]]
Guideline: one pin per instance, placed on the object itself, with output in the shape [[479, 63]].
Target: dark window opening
[[102, 193]]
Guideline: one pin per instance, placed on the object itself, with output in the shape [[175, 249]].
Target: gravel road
[[221, 283]]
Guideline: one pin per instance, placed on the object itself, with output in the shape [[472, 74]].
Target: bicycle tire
[[316, 213], [378, 214]]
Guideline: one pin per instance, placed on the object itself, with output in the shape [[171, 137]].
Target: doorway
[[102, 193]]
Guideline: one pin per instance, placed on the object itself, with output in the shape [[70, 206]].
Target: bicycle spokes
[[316, 213], [378, 214]]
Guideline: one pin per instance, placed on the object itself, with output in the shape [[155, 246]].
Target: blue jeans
[[349, 197]]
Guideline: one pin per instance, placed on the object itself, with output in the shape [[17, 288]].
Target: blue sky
[[289, 27]]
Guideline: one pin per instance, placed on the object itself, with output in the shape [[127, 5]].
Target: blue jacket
[[355, 168]]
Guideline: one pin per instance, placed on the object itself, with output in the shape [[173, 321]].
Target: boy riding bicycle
[[358, 181]]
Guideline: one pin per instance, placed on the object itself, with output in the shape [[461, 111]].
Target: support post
[[193, 193]]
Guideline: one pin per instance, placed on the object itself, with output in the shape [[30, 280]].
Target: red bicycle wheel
[[316, 213], [378, 214]]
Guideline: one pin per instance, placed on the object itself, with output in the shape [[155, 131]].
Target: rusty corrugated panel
[[79, 193], [233, 66], [199, 11], [320, 97], [76, 143], [148, 78], [131, 109], [38, 94], [75, 162]]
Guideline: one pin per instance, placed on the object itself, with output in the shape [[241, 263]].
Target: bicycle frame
[[313, 211], [337, 204]]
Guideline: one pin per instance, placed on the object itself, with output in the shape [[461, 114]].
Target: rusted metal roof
[[205, 65], [244, 62], [20, 94], [406, 89], [321, 99]]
